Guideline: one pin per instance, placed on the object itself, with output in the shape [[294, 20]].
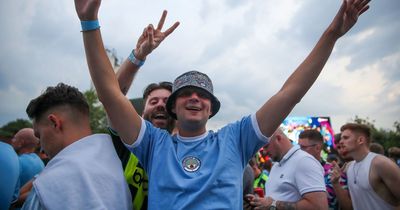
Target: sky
[[248, 48]]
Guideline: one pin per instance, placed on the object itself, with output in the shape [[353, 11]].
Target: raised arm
[[149, 40], [121, 113], [275, 110]]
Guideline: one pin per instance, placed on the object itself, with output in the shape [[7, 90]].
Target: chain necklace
[[359, 164], [355, 172]]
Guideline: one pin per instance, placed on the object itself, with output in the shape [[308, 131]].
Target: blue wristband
[[134, 60], [89, 25]]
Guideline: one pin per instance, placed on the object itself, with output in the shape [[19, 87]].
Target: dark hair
[[358, 128], [312, 135], [59, 95], [337, 137], [155, 86]]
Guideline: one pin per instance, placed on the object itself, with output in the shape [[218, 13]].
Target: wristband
[[89, 25], [134, 60]]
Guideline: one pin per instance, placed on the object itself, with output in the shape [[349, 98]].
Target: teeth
[[160, 116], [193, 108]]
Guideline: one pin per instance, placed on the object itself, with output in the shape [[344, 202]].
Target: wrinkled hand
[[259, 203], [335, 173], [151, 38], [87, 9], [347, 16]]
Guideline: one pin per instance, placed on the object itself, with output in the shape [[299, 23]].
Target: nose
[[160, 105], [194, 97]]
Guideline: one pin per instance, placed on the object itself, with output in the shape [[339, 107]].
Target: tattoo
[[282, 205]]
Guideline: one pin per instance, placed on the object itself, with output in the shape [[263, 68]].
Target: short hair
[[358, 128], [312, 135], [377, 148], [394, 152], [155, 86], [59, 95]]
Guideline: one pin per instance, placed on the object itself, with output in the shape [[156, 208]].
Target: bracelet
[[134, 60], [89, 25]]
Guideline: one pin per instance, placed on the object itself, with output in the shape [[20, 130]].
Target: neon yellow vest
[[138, 182]]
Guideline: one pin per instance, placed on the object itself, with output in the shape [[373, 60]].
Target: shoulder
[[382, 164], [308, 162], [246, 120]]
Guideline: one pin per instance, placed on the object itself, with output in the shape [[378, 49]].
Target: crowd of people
[[166, 158]]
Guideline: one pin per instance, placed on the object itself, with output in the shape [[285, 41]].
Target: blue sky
[[248, 48]]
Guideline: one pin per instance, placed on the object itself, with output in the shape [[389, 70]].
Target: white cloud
[[248, 48]]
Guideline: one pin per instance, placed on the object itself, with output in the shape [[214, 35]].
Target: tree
[[387, 138], [9, 129], [98, 119]]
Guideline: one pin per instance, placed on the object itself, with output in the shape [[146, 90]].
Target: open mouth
[[160, 116], [193, 108]]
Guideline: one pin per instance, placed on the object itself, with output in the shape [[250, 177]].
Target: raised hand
[[87, 9], [151, 38], [347, 16], [335, 173]]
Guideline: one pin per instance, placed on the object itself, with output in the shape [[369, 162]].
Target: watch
[[273, 205]]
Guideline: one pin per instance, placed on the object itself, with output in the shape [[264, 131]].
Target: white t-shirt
[[296, 174], [85, 175]]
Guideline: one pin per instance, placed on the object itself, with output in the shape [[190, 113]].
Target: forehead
[[346, 132], [159, 93]]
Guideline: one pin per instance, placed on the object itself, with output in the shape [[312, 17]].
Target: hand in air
[[151, 38]]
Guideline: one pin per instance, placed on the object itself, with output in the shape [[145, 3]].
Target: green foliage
[[12, 127], [98, 119], [387, 138]]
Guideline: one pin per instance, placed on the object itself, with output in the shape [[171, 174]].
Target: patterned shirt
[[332, 200]]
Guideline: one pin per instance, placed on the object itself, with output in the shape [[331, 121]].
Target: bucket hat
[[192, 79]]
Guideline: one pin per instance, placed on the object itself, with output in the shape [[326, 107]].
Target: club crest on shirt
[[191, 164]]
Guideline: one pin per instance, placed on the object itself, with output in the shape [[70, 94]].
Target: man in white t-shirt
[[296, 180], [84, 171]]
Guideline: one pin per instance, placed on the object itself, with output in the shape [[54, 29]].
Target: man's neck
[[360, 154], [285, 150], [191, 131]]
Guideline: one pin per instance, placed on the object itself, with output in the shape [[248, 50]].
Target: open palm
[[348, 15]]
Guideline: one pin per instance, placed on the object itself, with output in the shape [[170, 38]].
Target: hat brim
[[215, 104]]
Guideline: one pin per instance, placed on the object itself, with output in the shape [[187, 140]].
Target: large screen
[[293, 126]]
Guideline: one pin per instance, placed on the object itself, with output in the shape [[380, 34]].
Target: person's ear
[[363, 139], [278, 137], [55, 121]]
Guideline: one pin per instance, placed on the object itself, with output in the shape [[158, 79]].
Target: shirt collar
[[289, 154]]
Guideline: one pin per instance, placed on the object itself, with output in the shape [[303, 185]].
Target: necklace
[[355, 172], [359, 164]]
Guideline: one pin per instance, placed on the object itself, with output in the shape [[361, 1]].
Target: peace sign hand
[[151, 38]]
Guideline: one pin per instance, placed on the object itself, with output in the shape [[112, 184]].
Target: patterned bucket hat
[[193, 79]]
